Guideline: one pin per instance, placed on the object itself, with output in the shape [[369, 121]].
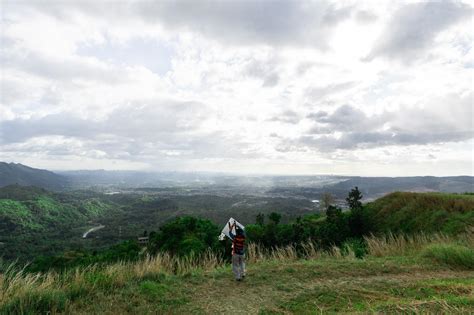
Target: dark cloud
[[412, 29]]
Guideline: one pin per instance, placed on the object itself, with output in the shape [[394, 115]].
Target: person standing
[[238, 251]]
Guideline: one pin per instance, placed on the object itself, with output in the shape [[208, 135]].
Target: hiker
[[238, 251]]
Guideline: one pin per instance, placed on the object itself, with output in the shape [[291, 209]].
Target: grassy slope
[[410, 283], [304, 287], [428, 212]]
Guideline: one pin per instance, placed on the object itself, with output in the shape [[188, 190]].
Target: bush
[[357, 246], [453, 255]]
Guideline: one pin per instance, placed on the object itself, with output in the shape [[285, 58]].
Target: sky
[[374, 88]]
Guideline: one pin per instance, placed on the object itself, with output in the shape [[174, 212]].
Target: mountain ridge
[[17, 173]]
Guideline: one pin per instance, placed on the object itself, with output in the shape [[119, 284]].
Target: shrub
[[357, 246], [453, 255]]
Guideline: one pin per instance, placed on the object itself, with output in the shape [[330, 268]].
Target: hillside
[[414, 277], [428, 212], [15, 173], [407, 273], [35, 221]]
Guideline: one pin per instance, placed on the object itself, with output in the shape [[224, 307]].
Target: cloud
[[65, 124], [349, 128], [365, 140], [413, 28], [288, 117], [317, 93], [345, 118], [266, 70], [66, 68], [247, 83], [364, 16], [276, 23], [142, 122]]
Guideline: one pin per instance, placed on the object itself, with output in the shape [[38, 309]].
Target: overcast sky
[[284, 87]]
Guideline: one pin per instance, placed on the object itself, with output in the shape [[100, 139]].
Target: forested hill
[[15, 173]]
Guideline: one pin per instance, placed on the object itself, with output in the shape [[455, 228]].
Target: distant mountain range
[[305, 186], [15, 173]]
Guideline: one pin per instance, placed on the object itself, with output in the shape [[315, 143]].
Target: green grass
[[36, 302], [328, 284], [453, 255]]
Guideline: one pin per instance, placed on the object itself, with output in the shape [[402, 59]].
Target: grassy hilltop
[[419, 274], [420, 259], [422, 212]]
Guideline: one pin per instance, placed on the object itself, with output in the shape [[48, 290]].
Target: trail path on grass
[[312, 287]]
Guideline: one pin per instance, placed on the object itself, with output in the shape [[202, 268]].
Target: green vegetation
[[278, 282], [321, 262], [185, 236], [427, 212], [36, 222], [453, 255]]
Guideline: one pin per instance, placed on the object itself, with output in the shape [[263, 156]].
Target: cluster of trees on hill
[[397, 212]]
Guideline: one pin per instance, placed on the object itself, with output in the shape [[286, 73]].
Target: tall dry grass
[[22, 292], [307, 250], [401, 244]]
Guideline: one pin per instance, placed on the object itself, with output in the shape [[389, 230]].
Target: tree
[[326, 200], [274, 217], [184, 236], [334, 230], [260, 219], [357, 222], [353, 200]]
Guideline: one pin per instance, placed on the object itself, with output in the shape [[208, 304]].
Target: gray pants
[[238, 266]]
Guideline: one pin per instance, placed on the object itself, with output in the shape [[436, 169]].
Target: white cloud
[[280, 86]]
